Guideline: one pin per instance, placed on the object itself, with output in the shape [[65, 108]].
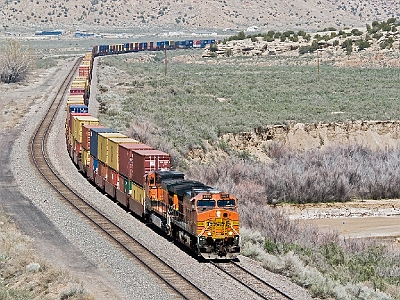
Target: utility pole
[[165, 61]]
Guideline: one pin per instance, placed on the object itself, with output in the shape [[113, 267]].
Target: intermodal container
[[120, 195], [94, 164], [78, 121], [81, 78], [136, 199], [75, 102], [77, 91], [88, 55], [189, 43], [113, 151], [78, 108], [112, 177], [75, 98], [160, 45], [70, 120], [197, 44], [101, 175], [84, 71], [137, 192], [79, 83], [102, 170], [145, 161], [125, 157], [85, 157], [102, 144], [86, 135], [86, 62], [94, 139]]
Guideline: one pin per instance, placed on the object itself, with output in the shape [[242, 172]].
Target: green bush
[[213, 47], [348, 45]]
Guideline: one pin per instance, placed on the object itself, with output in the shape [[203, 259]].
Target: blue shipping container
[[189, 43], [78, 108], [94, 139], [95, 164]]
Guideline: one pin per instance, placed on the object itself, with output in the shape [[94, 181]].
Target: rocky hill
[[209, 14]]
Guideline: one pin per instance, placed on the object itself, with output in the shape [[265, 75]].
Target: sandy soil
[[359, 219]]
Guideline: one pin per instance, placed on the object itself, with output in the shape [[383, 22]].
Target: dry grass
[[23, 275]]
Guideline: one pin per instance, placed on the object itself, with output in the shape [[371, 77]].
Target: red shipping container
[[90, 169], [112, 176], [125, 157], [84, 70], [102, 170], [77, 147], [77, 91], [145, 161], [86, 135]]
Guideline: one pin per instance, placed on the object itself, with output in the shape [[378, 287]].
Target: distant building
[[252, 28], [82, 34], [49, 32]]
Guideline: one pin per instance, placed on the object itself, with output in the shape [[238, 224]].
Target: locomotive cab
[[218, 225]]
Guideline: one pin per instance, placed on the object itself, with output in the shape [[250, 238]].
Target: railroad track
[[260, 288], [171, 278]]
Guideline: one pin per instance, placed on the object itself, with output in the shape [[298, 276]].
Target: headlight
[[209, 233], [230, 233]]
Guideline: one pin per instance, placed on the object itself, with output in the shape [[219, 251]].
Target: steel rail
[[256, 284]]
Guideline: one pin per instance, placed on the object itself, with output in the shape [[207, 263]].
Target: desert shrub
[[228, 52], [213, 47], [74, 291], [362, 44], [310, 48], [327, 269], [14, 62], [337, 173], [33, 267], [356, 32], [348, 46]]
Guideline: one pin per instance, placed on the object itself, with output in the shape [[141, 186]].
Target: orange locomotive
[[198, 216]]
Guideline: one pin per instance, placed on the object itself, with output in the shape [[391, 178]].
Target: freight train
[[140, 178], [149, 46]]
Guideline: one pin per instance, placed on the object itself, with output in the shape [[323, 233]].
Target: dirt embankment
[[372, 134]]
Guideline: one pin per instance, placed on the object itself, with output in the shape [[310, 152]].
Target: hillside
[[105, 15]]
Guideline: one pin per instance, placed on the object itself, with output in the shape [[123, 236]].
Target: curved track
[[261, 288], [175, 281]]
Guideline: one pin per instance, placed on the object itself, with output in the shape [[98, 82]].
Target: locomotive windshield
[[225, 203], [206, 202]]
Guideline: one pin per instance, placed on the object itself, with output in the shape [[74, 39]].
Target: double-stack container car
[[140, 178]]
